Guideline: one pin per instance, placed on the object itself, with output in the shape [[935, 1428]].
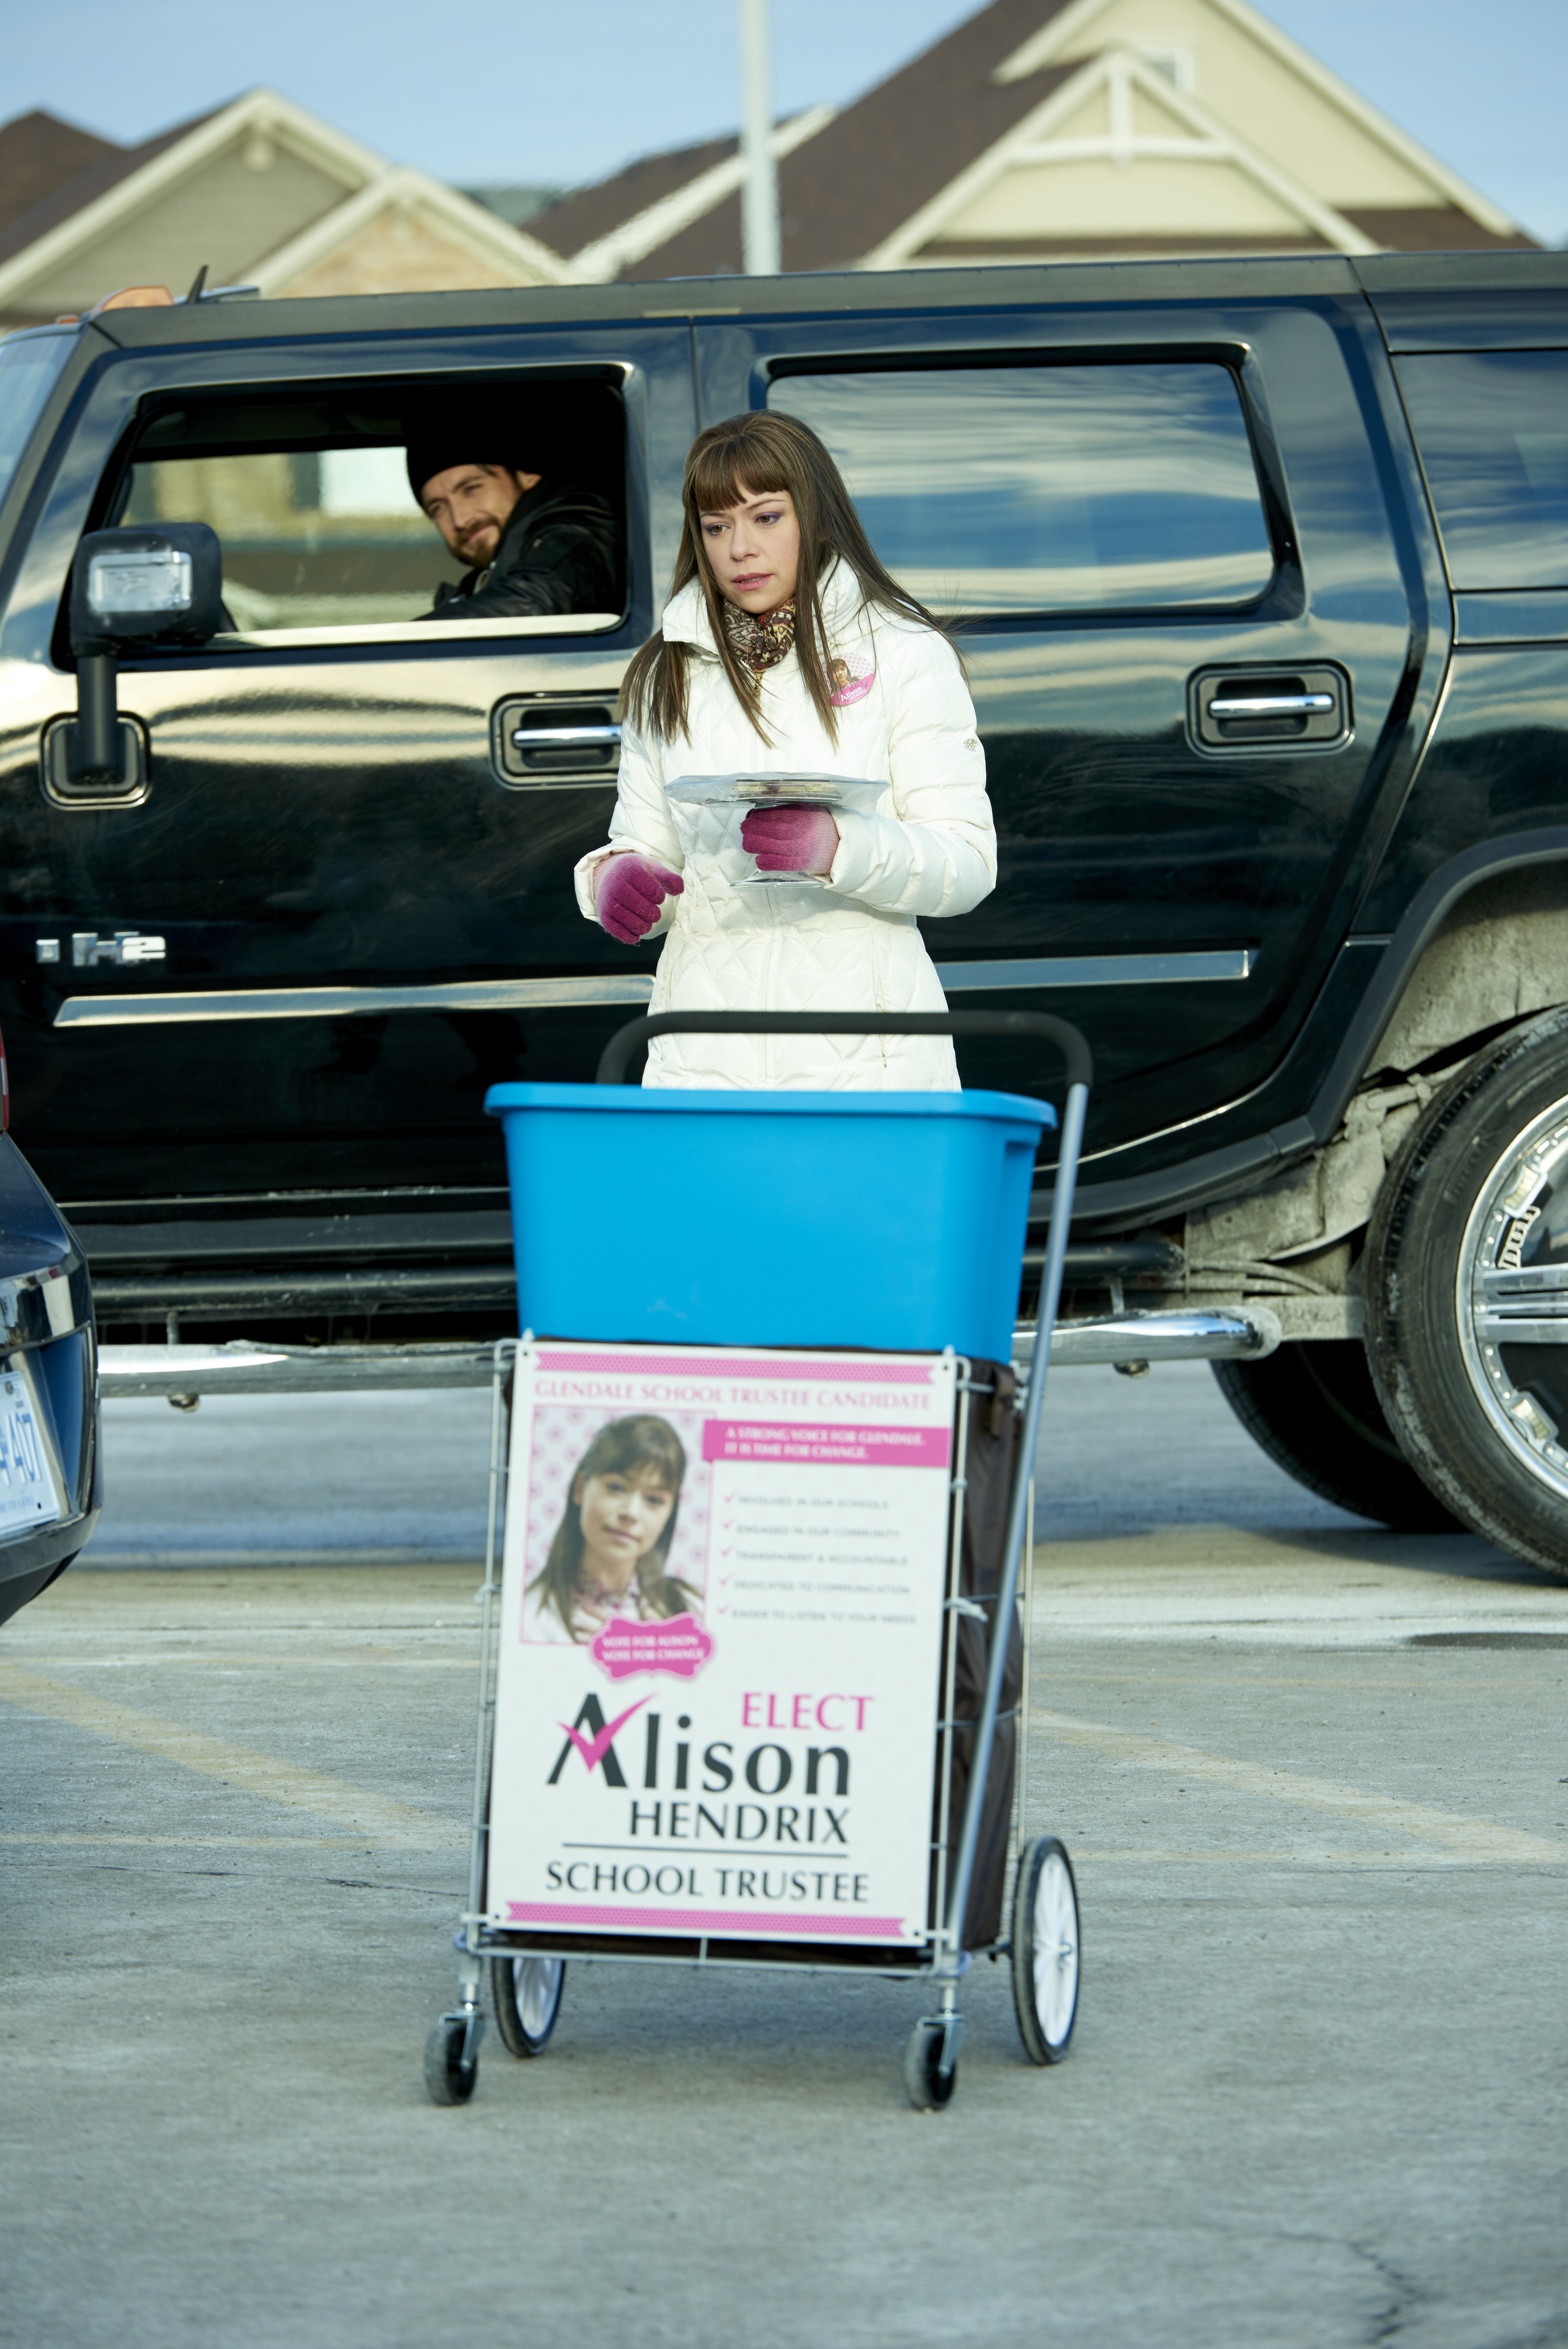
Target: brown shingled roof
[[91, 179], [588, 213], [860, 178], [39, 153], [877, 164], [1432, 228], [906, 140]]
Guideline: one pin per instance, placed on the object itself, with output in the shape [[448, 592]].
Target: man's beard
[[469, 547]]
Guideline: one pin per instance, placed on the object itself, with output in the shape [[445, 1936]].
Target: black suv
[[1261, 572]]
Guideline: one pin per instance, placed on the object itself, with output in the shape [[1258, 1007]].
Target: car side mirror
[[131, 588]]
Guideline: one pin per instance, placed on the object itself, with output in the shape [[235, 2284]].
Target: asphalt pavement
[[1313, 1775]]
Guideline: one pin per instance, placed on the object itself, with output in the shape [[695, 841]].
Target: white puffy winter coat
[[906, 720]]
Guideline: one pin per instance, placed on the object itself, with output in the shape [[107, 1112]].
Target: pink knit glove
[[791, 839], [629, 893]]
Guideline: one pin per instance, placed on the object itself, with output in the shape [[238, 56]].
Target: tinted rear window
[[1020, 488], [1493, 431]]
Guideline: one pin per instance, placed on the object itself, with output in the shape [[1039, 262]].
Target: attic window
[[1177, 65]]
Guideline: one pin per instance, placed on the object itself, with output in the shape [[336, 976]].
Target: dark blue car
[[50, 1476]]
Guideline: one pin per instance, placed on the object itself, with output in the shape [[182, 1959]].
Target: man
[[534, 541]]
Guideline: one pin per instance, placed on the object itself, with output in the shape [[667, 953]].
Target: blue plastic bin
[[891, 1220]]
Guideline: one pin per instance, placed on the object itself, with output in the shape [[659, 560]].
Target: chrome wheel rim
[[536, 1988], [1508, 1294], [1056, 1936]]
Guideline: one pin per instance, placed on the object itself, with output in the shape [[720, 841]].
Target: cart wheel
[[923, 2081], [526, 1995], [448, 2078], [1045, 1950]]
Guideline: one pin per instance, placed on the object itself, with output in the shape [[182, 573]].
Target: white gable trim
[[260, 109], [1409, 150], [1043, 47], [1048, 44], [646, 231], [1119, 72], [522, 257]]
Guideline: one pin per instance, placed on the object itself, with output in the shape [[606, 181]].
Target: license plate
[[28, 1495]]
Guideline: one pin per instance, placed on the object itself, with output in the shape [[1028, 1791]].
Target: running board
[[1196, 1335], [245, 1367]]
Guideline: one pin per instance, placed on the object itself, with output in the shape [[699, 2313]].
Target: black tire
[[1047, 1950], [448, 2079], [1468, 1240], [924, 2086], [525, 1994], [1314, 1410]]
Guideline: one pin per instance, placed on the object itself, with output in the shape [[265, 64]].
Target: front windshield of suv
[[29, 366]]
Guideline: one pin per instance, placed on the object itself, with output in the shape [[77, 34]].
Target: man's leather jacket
[[557, 553]]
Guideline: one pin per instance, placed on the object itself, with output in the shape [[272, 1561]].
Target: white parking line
[[1479, 1839], [194, 1842], [367, 1817]]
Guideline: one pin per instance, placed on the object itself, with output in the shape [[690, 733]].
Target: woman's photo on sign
[[605, 1524]]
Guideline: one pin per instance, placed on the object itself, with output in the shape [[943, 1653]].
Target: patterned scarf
[[760, 644]]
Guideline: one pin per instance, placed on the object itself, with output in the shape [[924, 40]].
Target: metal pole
[[1050, 1297], [760, 190]]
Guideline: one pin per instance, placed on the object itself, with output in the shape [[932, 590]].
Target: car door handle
[[1274, 705], [542, 743], [1241, 711], [533, 738]]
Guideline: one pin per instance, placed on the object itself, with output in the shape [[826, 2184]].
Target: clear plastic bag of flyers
[[795, 790]]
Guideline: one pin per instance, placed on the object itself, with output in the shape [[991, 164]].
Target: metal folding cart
[[527, 1964]]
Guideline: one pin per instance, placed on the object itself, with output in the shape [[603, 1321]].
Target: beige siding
[[401, 252], [1153, 120], [1251, 90], [225, 213], [1149, 198], [1092, 119]]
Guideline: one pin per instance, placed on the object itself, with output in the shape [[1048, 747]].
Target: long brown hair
[[755, 455], [627, 1444]]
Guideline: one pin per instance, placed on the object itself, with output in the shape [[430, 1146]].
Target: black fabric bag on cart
[[990, 1468]]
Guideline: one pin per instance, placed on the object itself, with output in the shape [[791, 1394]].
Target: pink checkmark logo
[[594, 1749]]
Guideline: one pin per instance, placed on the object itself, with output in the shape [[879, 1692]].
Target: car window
[[1493, 431], [1072, 488], [311, 538], [28, 369], [320, 531]]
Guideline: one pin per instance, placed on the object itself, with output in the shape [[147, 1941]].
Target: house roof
[[857, 180], [39, 153], [268, 191], [96, 167], [889, 154], [853, 194], [1432, 228], [583, 217]]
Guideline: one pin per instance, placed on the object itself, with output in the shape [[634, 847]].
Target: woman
[[611, 1551], [785, 647]]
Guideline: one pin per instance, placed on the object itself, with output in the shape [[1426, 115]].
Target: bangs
[[628, 1445], [721, 472]]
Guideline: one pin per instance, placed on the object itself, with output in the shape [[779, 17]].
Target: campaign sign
[[722, 1608]]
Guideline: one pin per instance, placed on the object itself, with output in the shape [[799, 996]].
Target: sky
[[566, 90]]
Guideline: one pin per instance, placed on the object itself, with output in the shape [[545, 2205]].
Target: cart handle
[[1071, 1043]]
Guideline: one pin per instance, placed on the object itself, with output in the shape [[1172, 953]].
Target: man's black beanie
[[464, 434], [565, 431]]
